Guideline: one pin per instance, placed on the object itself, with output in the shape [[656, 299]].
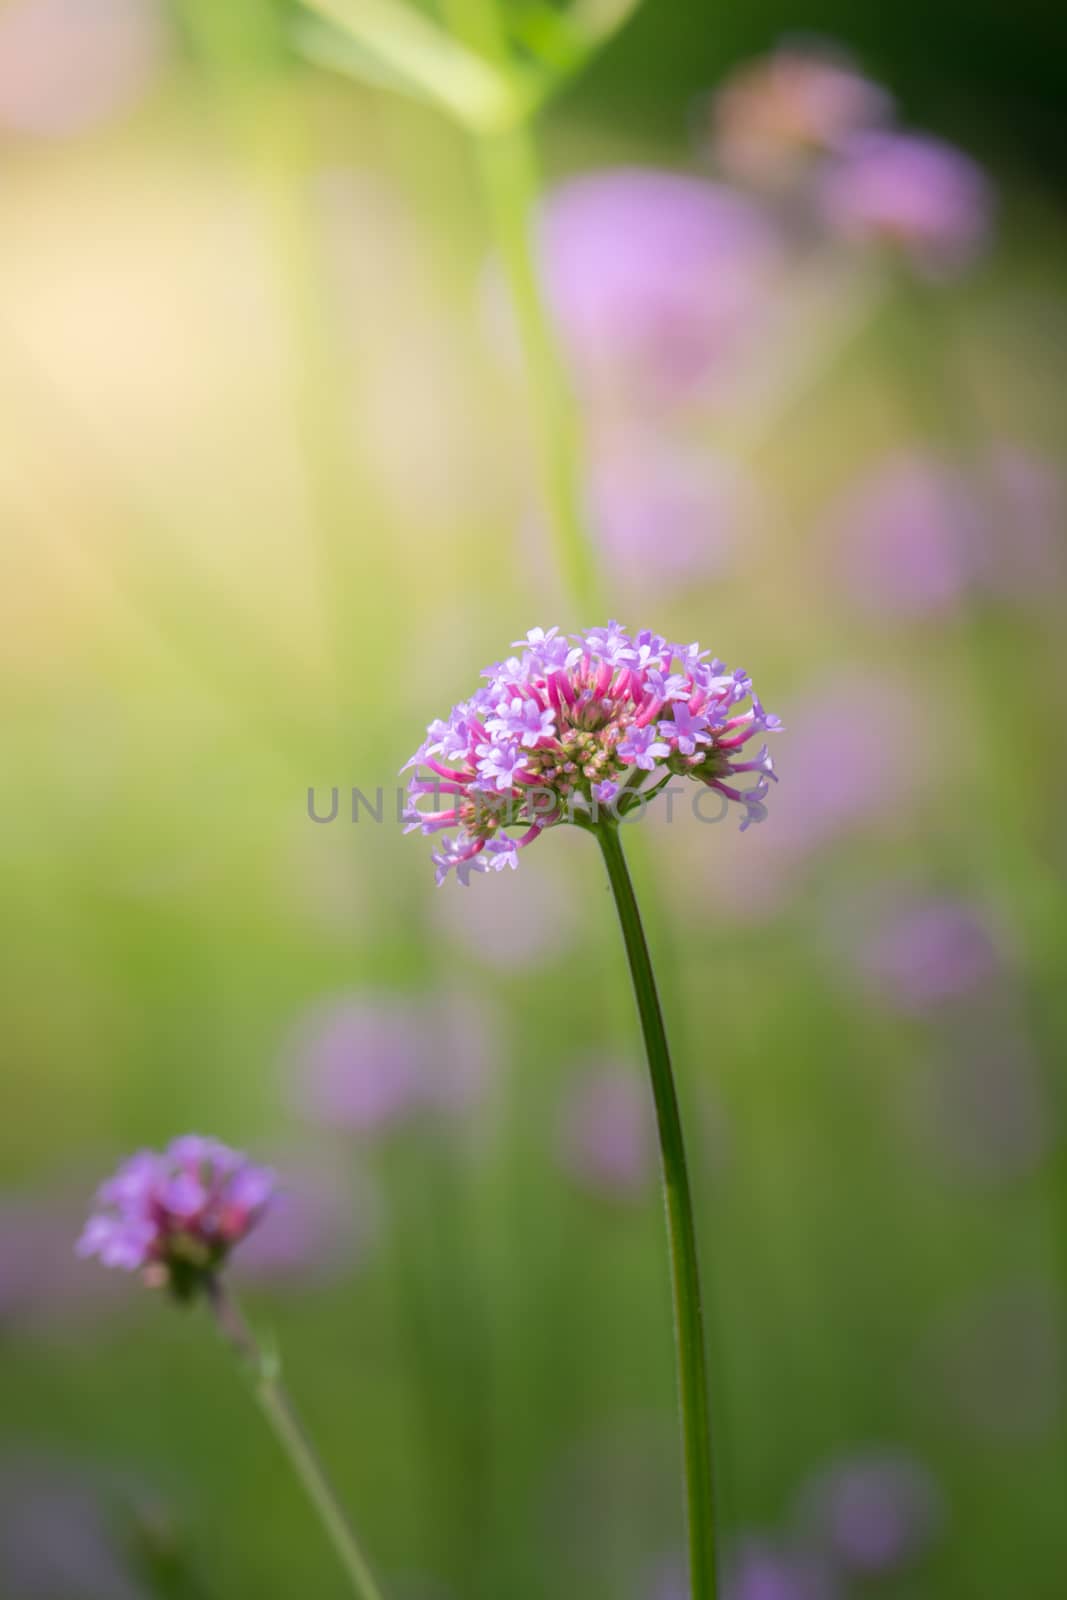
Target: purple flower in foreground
[[913, 194], [178, 1213], [655, 279], [611, 707], [776, 116], [874, 1514]]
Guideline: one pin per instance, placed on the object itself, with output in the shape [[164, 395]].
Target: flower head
[[576, 725], [177, 1214], [914, 194]]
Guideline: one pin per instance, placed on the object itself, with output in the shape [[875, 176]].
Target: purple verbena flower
[[923, 198], [641, 748], [595, 713], [177, 1214], [524, 720]]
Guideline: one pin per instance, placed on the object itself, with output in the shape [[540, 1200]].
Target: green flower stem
[[511, 181], [685, 1270], [289, 1431]]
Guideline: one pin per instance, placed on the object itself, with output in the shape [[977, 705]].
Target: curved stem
[[681, 1235], [511, 181], [279, 1411]]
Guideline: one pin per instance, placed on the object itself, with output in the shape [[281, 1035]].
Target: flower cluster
[[911, 194], [576, 725], [777, 116], [176, 1214], [804, 124]]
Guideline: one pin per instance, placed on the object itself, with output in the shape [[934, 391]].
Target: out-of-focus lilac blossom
[[925, 951], [912, 194], [667, 514], [909, 537], [777, 116], [56, 1542], [655, 280], [606, 1139], [915, 535], [365, 1064], [315, 1229], [177, 1214], [467, 1052], [360, 1063], [611, 706], [766, 1569], [874, 1514], [844, 773], [66, 65]]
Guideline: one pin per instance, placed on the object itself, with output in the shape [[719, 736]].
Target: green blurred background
[[267, 507]]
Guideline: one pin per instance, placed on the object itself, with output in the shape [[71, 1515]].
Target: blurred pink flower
[[873, 1514], [916, 534], [920, 951], [909, 537], [760, 1568], [844, 774], [913, 194], [656, 280], [318, 1226], [606, 1132], [667, 513], [66, 65], [364, 1064], [359, 1063], [776, 116]]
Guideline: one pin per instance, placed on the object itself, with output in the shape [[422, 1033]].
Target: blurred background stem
[[290, 1433], [685, 1270], [511, 181]]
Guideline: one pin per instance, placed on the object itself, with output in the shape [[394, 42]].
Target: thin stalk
[[511, 182], [290, 1433], [681, 1234]]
